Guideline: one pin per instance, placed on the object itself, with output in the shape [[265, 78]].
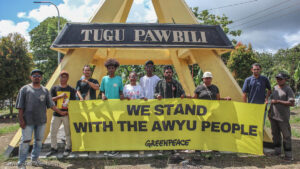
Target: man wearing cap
[[255, 86], [207, 90], [32, 102], [279, 114], [168, 87], [149, 81], [61, 95]]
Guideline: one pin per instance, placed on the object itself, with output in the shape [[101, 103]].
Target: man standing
[[255, 86], [149, 81], [61, 94], [86, 87], [32, 102], [281, 99], [111, 85], [168, 87]]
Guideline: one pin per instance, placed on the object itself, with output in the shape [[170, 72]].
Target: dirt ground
[[205, 160]]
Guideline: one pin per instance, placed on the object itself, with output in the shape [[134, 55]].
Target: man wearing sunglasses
[[32, 102], [254, 88], [279, 114]]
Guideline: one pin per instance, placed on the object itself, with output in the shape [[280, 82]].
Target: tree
[[206, 18], [15, 65], [297, 76], [42, 37], [240, 62], [284, 61], [287, 61], [210, 19]]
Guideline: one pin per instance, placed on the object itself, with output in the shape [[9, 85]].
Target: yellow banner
[[168, 124]]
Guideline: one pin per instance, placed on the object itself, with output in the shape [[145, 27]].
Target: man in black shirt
[[61, 94], [168, 87], [86, 87]]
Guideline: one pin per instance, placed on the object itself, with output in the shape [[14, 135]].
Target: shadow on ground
[[209, 159]]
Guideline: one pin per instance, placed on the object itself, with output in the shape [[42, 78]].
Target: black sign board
[[77, 35]]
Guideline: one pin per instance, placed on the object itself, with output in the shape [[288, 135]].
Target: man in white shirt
[[149, 81]]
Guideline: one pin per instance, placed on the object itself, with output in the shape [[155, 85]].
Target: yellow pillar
[[222, 77], [112, 11], [183, 72], [99, 71], [173, 11], [73, 63]]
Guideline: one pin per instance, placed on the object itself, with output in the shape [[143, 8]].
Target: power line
[[261, 11], [268, 19], [232, 5], [255, 19]]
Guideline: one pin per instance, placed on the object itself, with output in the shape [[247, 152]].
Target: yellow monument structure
[[168, 12]]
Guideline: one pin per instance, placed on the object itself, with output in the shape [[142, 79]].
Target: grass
[[267, 123], [9, 129], [295, 120], [295, 133], [7, 111]]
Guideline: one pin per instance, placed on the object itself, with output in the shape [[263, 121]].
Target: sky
[[268, 25]]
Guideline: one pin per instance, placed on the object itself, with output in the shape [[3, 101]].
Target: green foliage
[[286, 61], [210, 19], [42, 37], [15, 65], [268, 123], [240, 62], [206, 18], [297, 74], [124, 71]]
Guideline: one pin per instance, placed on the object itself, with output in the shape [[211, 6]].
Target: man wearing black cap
[[149, 81], [32, 102], [281, 99], [61, 94]]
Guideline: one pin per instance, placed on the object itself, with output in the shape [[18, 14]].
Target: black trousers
[[281, 132]]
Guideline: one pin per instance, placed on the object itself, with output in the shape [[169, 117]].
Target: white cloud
[[21, 14], [292, 39], [150, 13], [138, 1], [268, 50], [8, 26], [75, 10]]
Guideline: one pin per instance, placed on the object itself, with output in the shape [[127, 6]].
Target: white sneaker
[[113, 153]]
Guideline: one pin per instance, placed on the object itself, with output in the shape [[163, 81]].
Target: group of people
[[34, 99]]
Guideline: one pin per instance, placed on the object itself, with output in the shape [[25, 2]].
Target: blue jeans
[[26, 139]]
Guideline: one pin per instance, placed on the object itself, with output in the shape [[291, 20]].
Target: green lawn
[[9, 129], [295, 119]]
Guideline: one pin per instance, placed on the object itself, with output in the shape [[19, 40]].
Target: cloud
[[267, 26], [8, 26], [262, 40], [142, 12], [138, 1], [75, 10], [21, 14], [292, 39], [150, 12]]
